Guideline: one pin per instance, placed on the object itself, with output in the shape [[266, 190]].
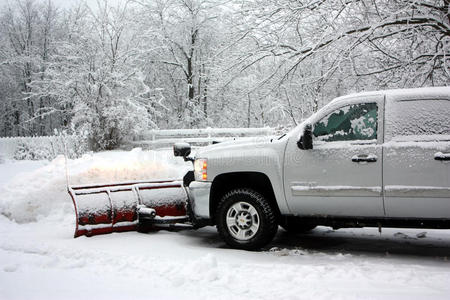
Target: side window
[[351, 122], [417, 118]]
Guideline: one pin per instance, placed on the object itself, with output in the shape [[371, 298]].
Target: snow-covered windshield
[[417, 118]]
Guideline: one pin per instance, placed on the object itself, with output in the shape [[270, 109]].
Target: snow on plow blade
[[106, 208]]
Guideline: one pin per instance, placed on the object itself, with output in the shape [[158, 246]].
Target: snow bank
[[31, 195]]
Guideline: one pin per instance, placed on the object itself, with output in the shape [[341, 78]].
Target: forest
[[110, 70]]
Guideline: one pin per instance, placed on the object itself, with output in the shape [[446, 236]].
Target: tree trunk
[[190, 80]]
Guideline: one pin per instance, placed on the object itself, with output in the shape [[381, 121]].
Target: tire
[[255, 223], [297, 225]]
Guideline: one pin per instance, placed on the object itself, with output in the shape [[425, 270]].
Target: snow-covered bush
[[26, 150], [117, 117], [72, 145], [48, 148]]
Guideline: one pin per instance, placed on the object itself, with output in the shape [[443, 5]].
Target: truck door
[[341, 175], [417, 158]]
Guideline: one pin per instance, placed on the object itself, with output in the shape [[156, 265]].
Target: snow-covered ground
[[39, 259]]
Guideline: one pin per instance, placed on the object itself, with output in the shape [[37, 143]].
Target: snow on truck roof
[[402, 94], [390, 95]]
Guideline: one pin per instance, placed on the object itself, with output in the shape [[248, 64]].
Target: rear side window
[[417, 118], [351, 122]]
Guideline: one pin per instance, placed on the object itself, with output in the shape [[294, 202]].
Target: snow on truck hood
[[239, 143]]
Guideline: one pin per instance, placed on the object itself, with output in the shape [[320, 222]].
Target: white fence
[[167, 137], [8, 145]]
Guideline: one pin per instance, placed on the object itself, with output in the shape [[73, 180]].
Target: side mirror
[[306, 140], [182, 149]]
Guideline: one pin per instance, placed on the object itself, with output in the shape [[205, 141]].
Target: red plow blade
[[107, 208]]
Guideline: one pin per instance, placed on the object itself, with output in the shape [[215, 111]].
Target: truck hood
[[235, 145]]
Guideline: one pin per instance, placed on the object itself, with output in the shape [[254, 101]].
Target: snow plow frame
[[125, 212]]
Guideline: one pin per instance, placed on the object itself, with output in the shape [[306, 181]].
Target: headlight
[[200, 169]]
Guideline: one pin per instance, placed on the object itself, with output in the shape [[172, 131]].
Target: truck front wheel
[[245, 219]]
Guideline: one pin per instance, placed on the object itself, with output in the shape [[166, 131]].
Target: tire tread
[[270, 224]]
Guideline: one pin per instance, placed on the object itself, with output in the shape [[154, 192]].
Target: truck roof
[[403, 94]]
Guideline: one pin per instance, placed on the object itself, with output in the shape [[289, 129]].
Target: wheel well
[[226, 182]]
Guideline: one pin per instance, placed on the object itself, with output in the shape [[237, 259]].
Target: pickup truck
[[369, 159]]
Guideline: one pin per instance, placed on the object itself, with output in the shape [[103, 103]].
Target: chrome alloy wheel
[[242, 221]]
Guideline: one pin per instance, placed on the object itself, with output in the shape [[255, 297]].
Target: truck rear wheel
[[245, 219]]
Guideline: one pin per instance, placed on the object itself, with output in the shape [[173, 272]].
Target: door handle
[[442, 156], [364, 158]]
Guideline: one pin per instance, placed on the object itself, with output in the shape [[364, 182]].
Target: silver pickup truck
[[369, 159]]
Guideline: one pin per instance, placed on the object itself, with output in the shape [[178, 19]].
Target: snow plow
[[127, 206], [134, 205]]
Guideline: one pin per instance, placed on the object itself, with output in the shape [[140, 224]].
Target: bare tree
[[406, 41], [185, 33]]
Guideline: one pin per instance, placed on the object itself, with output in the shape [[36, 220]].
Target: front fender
[[266, 159]]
